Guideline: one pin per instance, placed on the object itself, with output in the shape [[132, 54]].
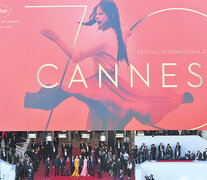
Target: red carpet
[[40, 175]]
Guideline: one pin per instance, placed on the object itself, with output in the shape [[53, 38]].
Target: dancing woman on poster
[[110, 107]]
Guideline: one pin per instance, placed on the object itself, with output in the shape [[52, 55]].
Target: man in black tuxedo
[[70, 150], [21, 169], [16, 158], [187, 155], [3, 154], [92, 166], [26, 165], [177, 153], [118, 147], [65, 154], [36, 161], [151, 177], [56, 163], [205, 155], [80, 163], [48, 149], [88, 150], [161, 155], [178, 147], [154, 151], [99, 169], [89, 166], [30, 173], [96, 149], [33, 145], [114, 169], [62, 166], [118, 167], [161, 146], [82, 145], [42, 151], [47, 167], [134, 151], [192, 157], [122, 160], [53, 154], [56, 142], [144, 154], [139, 153], [63, 146], [104, 161], [199, 155]]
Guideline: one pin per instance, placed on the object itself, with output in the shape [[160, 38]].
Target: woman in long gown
[[84, 171], [109, 106], [76, 171]]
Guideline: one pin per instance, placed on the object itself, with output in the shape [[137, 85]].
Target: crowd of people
[[103, 156], [59, 157], [172, 133], [161, 153], [8, 152]]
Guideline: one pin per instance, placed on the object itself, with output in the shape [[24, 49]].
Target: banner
[[103, 65]]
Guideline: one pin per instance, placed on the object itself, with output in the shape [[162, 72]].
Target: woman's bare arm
[[74, 55]]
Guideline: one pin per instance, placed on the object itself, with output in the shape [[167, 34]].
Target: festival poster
[[141, 69]]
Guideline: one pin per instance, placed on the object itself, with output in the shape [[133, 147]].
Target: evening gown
[[147, 106], [84, 171], [76, 171]]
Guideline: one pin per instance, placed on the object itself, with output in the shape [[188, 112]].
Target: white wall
[[172, 170], [7, 171]]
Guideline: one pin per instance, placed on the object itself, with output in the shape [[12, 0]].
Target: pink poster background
[[23, 50]]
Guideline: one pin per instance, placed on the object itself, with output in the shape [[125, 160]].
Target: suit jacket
[[192, 156], [177, 154], [178, 146], [56, 162], [153, 150], [47, 165], [65, 154], [63, 146], [99, 167], [70, 149], [54, 153], [82, 146], [199, 156], [160, 147], [62, 164], [120, 146], [161, 156], [88, 163], [30, 173], [3, 155], [92, 163], [81, 162], [88, 149], [205, 155]]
